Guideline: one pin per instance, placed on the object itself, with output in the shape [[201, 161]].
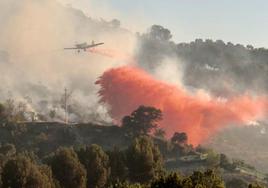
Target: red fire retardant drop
[[124, 89]]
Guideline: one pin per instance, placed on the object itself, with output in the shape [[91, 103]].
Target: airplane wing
[[93, 45], [71, 48]]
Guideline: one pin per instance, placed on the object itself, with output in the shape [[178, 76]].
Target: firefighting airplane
[[84, 46]]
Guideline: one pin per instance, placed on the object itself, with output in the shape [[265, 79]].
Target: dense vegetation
[[143, 160]]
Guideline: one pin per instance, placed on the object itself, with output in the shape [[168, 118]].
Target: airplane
[[84, 46]]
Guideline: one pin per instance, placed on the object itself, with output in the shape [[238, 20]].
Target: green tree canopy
[[96, 162], [198, 179], [3, 115], [117, 164], [225, 163], [142, 120], [160, 133], [144, 160], [173, 180], [236, 183], [179, 138], [8, 150], [21, 172], [67, 169], [158, 32], [255, 185], [207, 179]]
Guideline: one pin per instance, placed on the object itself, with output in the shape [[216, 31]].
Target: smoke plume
[[198, 114], [34, 66], [35, 69], [117, 55]]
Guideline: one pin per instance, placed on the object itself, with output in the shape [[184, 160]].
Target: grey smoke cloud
[[34, 65]]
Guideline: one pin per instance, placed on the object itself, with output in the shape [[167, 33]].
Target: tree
[[160, 33], [142, 120], [21, 172], [213, 159], [198, 179], [160, 133], [236, 183], [96, 162], [52, 114], [117, 163], [8, 150], [67, 169], [2, 112], [179, 138], [126, 185], [225, 163], [208, 179], [45, 169], [171, 181], [15, 112], [250, 47], [144, 160], [179, 144], [255, 186]]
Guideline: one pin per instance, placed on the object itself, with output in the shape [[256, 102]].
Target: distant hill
[[46, 137], [223, 69], [247, 143]]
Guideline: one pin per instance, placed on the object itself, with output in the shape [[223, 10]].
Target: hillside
[[219, 69], [41, 84], [222, 68], [46, 137], [249, 140]]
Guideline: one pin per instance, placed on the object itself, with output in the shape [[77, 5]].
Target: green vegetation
[[119, 170], [44, 155], [142, 121], [144, 160], [67, 168], [22, 172], [207, 179], [96, 162]]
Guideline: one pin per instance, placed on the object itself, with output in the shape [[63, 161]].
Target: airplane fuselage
[[84, 46]]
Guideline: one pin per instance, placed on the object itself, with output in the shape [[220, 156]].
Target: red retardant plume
[[124, 89]]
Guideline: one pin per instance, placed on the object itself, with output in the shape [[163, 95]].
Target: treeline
[[142, 163], [215, 66], [85, 166]]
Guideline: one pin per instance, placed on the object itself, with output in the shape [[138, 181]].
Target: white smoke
[[33, 35], [170, 70]]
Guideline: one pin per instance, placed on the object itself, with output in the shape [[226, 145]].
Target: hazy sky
[[239, 21]]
